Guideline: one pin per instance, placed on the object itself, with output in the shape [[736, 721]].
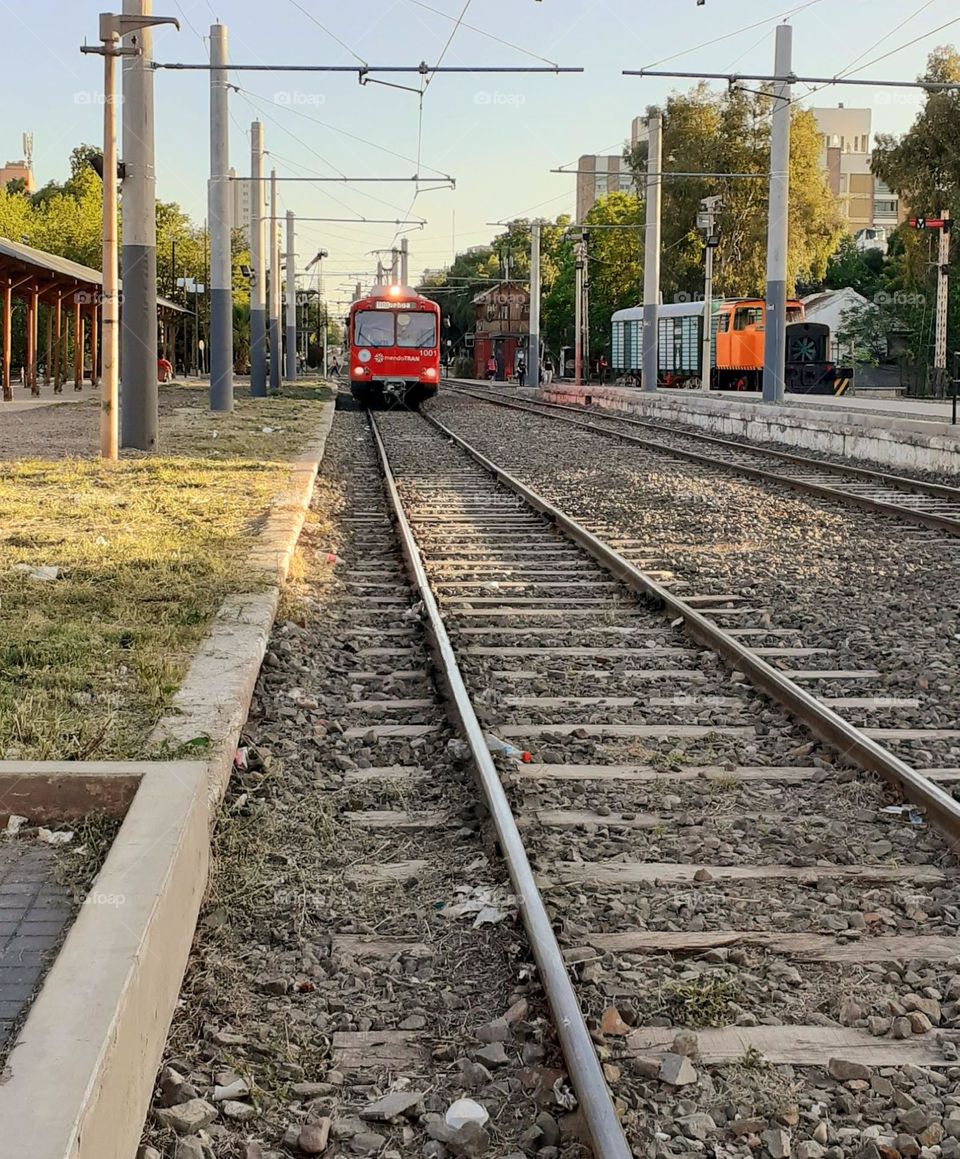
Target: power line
[[482, 32], [334, 129], [729, 35], [333, 36]]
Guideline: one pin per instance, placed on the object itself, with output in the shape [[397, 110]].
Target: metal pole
[[218, 208], [109, 392], [291, 301], [258, 296], [578, 319], [404, 262], [943, 290], [533, 357], [138, 348], [775, 336], [276, 342], [651, 253]]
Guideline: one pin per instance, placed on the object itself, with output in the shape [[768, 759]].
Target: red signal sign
[[927, 222]]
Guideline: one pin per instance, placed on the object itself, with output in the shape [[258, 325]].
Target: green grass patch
[[146, 551]]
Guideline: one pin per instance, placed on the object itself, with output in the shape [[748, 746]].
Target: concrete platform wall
[[900, 444]]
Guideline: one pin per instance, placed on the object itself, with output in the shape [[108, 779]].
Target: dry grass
[[146, 549]]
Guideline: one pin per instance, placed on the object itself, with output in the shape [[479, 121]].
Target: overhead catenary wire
[[333, 36], [736, 32]]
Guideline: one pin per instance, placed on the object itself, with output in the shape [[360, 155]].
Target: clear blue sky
[[498, 136]]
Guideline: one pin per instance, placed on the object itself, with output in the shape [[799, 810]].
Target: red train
[[394, 337]]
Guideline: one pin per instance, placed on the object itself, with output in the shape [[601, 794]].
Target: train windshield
[[373, 328], [794, 314], [418, 329]]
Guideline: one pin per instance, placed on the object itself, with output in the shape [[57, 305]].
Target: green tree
[[730, 133]]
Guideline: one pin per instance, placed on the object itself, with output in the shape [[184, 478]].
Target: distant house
[[833, 307], [502, 327]]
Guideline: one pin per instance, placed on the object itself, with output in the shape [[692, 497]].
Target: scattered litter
[[100, 541], [564, 1096], [913, 815], [55, 837], [233, 1090], [240, 759], [677, 622], [503, 748], [14, 824], [331, 557], [490, 904], [457, 749], [266, 430], [413, 613], [465, 1111], [45, 572]]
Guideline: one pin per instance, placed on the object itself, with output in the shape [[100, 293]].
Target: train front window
[[417, 330], [373, 328], [748, 317], [794, 314]]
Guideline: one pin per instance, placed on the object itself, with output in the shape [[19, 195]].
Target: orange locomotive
[[394, 337], [737, 347]]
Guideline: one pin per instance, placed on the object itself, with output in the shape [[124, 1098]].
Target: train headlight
[[363, 355], [430, 372], [358, 372]]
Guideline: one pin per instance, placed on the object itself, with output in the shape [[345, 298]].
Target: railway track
[[753, 930], [932, 505]]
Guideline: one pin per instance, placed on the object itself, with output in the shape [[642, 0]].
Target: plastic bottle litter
[[55, 837], [465, 1111], [14, 824], [503, 748]]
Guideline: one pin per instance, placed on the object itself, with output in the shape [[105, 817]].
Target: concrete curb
[[82, 1071], [83, 1068], [903, 444], [214, 699]]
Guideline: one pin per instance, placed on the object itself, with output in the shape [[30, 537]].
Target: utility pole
[[585, 308], [775, 335], [651, 253], [291, 301], [404, 262], [533, 357], [218, 203], [276, 342], [112, 29], [138, 347], [943, 298], [258, 295], [707, 220], [578, 316]]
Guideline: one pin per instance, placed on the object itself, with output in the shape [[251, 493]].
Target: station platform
[[901, 434]]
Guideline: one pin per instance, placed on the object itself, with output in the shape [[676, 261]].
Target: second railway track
[[929, 504], [762, 937]]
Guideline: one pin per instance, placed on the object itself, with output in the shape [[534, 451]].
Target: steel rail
[[828, 725], [578, 1048], [925, 518]]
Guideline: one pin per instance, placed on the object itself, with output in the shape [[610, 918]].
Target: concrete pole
[[586, 307], [651, 253], [943, 298], [218, 211], [778, 222], [138, 346], [291, 301], [404, 262], [109, 392], [707, 357], [258, 291], [533, 357], [276, 342], [578, 319]]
